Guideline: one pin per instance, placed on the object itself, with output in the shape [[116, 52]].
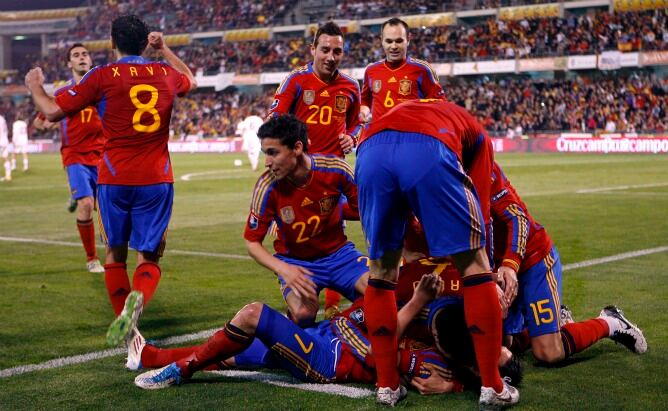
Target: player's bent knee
[[548, 353], [248, 316]]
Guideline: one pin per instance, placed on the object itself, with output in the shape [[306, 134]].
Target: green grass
[[51, 307]]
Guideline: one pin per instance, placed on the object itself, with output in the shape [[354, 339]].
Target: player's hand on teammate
[[434, 384], [502, 301], [298, 279], [429, 287], [347, 143], [156, 40], [506, 277], [365, 114], [34, 78]]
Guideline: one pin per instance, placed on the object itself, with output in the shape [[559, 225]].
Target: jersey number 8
[[145, 108]]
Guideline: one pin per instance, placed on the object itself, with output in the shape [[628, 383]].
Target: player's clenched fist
[[155, 40], [34, 77]]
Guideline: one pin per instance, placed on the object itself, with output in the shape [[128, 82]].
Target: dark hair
[[130, 34], [72, 47], [394, 21], [287, 128], [330, 28]]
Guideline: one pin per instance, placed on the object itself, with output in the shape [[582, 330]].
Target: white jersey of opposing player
[[248, 130], [4, 132], [20, 133]]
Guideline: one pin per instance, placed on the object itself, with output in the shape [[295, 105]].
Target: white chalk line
[[168, 251], [189, 176], [270, 378], [619, 188]]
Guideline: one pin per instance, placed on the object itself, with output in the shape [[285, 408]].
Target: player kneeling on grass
[[300, 193]]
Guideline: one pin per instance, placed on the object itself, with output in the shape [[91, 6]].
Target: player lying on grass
[[524, 251], [300, 192], [335, 350]]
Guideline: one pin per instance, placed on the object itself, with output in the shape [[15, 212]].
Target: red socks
[[332, 298], [483, 318], [145, 279], [118, 285], [154, 357], [380, 312], [577, 337], [87, 234], [222, 345]]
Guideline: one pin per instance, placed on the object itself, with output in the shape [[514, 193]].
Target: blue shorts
[[338, 271], [310, 354], [538, 298], [399, 172], [135, 214], [82, 180]]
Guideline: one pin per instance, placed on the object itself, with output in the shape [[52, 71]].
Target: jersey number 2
[[145, 108]]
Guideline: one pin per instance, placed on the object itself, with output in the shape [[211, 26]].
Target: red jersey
[[454, 127], [81, 135], [385, 87], [519, 241], [308, 218], [134, 98], [328, 109]]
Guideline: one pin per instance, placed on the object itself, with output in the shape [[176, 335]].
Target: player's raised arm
[[34, 80], [155, 40]]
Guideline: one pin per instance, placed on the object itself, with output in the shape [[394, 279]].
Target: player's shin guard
[[483, 318], [146, 279], [87, 234], [222, 345], [118, 285], [380, 311], [579, 336]]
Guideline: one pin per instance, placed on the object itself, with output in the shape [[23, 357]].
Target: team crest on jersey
[[357, 316], [404, 87], [340, 103], [274, 104], [288, 215], [377, 85], [327, 204], [309, 96], [252, 222], [71, 92]]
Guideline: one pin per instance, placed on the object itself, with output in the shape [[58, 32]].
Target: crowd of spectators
[[181, 16], [492, 39]]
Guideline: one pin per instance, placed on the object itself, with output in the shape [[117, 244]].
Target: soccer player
[[4, 149], [81, 145], [20, 139], [300, 193], [327, 100], [522, 248], [134, 98], [396, 78], [318, 94], [433, 158], [247, 129], [335, 350]]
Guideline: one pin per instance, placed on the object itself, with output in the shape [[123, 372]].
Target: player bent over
[[433, 158], [135, 183], [301, 193], [81, 144], [524, 250]]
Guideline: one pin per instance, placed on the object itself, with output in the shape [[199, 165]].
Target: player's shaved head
[[330, 28], [130, 34], [286, 128]]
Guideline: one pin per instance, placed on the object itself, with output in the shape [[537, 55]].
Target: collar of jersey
[[133, 60]]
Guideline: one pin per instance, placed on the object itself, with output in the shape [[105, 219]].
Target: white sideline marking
[[290, 382], [613, 258], [269, 378], [189, 176], [168, 251], [619, 188]]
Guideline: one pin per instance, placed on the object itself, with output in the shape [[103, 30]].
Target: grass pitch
[[592, 205]]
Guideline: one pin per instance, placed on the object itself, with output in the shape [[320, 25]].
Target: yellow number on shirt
[[389, 102], [301, 226], [325, 117], [86, 114], [539, 308], [145, 108]]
